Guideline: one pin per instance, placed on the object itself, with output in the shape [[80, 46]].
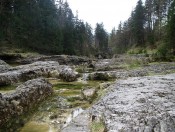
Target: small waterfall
[[74, 114], [85, 77]]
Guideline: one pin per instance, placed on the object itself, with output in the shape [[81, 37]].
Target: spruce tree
[[171, 27]]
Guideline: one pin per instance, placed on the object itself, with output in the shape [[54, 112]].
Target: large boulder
[[140, 104], [24, 99]]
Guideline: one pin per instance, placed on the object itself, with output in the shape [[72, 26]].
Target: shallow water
[[36, 127], [50, 116], [74, 114], [7, 89]]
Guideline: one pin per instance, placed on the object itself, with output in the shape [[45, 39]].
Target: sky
[[110, 12]]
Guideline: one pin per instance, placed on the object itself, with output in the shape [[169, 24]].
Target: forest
[[50, 27]]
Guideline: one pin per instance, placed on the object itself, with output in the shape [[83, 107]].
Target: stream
[[58, 111]]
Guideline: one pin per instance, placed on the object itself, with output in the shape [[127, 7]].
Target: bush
[[137, 51], [163, 53]]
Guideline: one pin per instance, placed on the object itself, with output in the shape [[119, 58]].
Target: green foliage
[[44, 27], [171, 27], [137, 51], [101, 38], [163, 53], [148, 25], [137, 23]]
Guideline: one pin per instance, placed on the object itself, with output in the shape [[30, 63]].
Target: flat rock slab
[[139, 104]]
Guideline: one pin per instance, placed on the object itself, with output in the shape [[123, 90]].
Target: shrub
[[163, 53]]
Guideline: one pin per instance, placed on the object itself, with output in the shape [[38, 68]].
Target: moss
[[73, 99], [7, 88], [70, 93], [35, 127], [68, 86], [97, 126], [86, 105], [80, 69], [78, 103], [84, 69]]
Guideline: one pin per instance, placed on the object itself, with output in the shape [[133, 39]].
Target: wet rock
[[139, 104], [69, 75], [79, 124], [25, 98]]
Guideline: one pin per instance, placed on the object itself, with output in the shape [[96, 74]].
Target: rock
[[67, 74], [12, 57], [80, 123], [25, 98], [104, 76], [27, 72], [104, 85], [62, 103], [139, 104], [35, 70], [54, 74], [101, 65], [61, 59], [89, 93], [4, 67]]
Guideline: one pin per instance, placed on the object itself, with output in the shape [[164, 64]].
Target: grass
[[74, 85], [68, 85], [70, 93]]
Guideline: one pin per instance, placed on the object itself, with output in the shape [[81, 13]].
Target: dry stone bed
[[139, 104]]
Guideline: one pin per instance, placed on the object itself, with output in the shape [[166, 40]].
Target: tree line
[[150, 25], [49, 27]]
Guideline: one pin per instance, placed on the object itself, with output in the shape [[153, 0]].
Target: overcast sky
[[110, 12]]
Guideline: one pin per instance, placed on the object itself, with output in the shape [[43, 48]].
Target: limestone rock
[[61, 59], [26, 97], [4, 67], [89, 93], [35, 70], [67, 74], [79, 124], [139, 104], [104, 76]]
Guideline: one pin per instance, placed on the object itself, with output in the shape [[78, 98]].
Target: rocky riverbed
[[139, 104], [81, 94]]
